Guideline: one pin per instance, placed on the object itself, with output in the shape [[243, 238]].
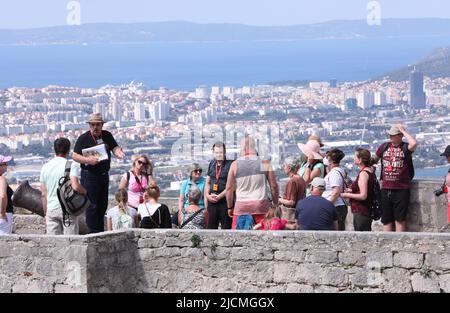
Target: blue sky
[[41, 13]]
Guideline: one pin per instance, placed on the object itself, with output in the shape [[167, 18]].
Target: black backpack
[[375, 208], [408, 158], [72, 203]]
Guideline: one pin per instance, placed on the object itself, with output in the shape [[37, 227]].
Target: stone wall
[[32, 263], [226, 261]]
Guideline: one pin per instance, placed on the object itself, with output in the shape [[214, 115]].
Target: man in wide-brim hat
[[95, 173]]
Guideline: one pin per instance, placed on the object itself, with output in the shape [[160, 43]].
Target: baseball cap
[[318, 182]]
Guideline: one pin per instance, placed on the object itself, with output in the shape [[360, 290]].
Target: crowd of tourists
[[241, 194]]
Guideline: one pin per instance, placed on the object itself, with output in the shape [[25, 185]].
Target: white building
[[159, 111], [380, 98], [100, 108], [365, 100], [215, 91], [319, 85], [139, 111], [202, 92], [228, 92], [116, 110]]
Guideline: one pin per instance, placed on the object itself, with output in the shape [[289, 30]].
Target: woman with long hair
[[151, 213], [360, 192], [121, 216], [137, 180]]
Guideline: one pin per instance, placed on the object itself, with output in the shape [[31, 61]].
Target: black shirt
[[222, 181], [86, 140], [9, 206], [160, 219]]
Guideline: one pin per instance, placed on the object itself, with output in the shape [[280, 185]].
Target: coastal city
[[177, 127]]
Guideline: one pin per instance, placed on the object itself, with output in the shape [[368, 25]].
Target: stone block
[[380, 259], [334, 276], [284, 272], [396, 280], [424, 284], [438, 261], [321, 256], [444, 282], [150, 243], [251, 254], [26, 285], [290, 255], [299, 288], [325, 289], [408, 260], [352, 257]]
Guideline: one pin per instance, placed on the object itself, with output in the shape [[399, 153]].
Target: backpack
[[375, 209], [123, 222], [72, 203], [408, 159]]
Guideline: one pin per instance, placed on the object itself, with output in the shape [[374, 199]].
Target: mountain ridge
[[179, 31]]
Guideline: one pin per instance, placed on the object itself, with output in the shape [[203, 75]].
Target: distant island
[[194, 32]]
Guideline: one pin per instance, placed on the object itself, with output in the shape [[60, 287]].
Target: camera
[[439, 192]]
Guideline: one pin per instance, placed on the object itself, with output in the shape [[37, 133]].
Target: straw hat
[[394, 131], [96, 118], [316, 138], [312, 146]]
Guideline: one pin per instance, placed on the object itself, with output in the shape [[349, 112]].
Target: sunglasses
[[96, 124], [142, 163], [197, 171]]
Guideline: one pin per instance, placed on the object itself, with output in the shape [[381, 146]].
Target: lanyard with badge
[[215, 186], [98, 150], [98, 141]]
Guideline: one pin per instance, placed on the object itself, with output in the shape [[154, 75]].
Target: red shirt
[[275, 224], [362, 207], [295, 189], [395, 168]]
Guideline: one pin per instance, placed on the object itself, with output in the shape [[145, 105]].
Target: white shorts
[[6, 226]]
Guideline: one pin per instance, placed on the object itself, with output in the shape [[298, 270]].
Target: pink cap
[[5, 159]]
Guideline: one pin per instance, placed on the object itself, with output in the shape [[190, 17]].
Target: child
[[151, 213], [272, 221], [121, 216]]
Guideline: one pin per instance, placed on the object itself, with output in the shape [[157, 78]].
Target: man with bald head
[[250, 178]]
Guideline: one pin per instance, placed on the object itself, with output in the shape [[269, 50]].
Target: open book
[[98, 151]]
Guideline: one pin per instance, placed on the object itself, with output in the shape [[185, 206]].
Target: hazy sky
[[39, 13]]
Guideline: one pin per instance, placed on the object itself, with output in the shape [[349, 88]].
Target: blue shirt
[[315, 213], [184, 190]]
